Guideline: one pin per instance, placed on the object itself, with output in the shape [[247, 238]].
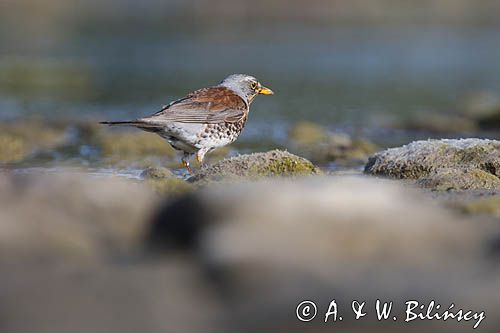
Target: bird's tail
[[139, 123], [122, 123]]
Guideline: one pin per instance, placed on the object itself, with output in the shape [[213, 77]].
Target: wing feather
[[204, 106]]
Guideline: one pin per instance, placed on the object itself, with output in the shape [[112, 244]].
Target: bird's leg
[[200, 155], [185, 163]]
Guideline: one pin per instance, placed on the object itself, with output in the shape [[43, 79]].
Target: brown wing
[[204, 106]]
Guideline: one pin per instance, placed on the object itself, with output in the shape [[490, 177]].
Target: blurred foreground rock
[[266, 247], [238, 257], [464, 164], [72, 217], [255, 166]]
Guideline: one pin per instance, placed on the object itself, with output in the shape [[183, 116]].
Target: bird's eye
[[253, 85]]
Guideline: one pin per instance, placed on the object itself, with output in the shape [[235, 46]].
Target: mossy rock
[[217, 154], [317, 144], [347, 150], [275, 163], [13, 148], [460, 179], [19, 140], [307, 133], [157, 173], [169, 186], [418, 159], [164, 181], [486, 206], [465, 164]]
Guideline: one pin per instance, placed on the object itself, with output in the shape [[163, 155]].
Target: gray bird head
[[246, 86]]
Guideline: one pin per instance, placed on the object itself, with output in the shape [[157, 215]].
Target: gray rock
[[458, 164], [128, 297], [268, 246], [256, 166], [70, 217]]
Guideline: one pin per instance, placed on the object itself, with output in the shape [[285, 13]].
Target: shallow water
[[125, 173]]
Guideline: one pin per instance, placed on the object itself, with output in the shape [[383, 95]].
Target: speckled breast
[[218, 135]]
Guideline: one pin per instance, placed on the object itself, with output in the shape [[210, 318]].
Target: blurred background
[[387, 70]]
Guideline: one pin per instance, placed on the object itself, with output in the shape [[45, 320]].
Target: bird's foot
[[187, 166], [200, 156]]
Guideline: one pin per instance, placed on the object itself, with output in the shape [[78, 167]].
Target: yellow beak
[[265, 91]]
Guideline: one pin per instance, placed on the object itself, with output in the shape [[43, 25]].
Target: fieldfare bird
[[205, 119]]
